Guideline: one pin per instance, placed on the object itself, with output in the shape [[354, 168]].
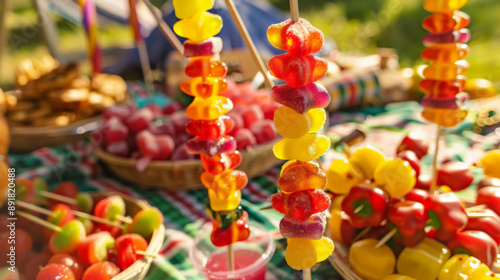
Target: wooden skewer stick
[[126, 220], [76, 213], [479, 215], [58, 197], [39, 221], [306, 274], [230, 256], [266, 208], [386, 238], [249, 42], [359, 209], [476, 208], [146, 254], [165, 29], [294, 10], [435, 159], [361, 234]]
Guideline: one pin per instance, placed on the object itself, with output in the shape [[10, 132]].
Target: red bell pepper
[[369, 203], [447, 215], [417, 195], [475, 243], [489, 225], [409, 218], [490, 196]]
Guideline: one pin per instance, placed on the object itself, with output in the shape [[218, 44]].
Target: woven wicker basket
[[184, 174], [138, 270]]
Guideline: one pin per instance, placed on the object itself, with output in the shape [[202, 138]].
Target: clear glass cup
[[250, 256]]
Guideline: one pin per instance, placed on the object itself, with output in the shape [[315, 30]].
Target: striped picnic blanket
[[184, 212]]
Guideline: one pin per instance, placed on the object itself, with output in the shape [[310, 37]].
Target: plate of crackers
[[56, 104]]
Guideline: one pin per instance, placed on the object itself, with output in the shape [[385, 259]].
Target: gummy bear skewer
[[248, 42], [301, 181], [209, 125]]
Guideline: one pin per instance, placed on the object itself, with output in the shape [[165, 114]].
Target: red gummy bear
[[210, 129], [298, 71], [238, 231], [211, 147], [302, 204], [301, 99]]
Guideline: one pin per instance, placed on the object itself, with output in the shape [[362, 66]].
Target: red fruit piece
[[414, 142], [435, 88], [302, 204], [162, 126], [264, 131], [126, 247], [251, 114], [101, 271], [179, 119], [140, 120], [245, 139], [61, 214], [75, 265], [154, 146], [211, 147], [55, 271], [237, 122], [410, 219], [181, 153], [120, 149], [172, 108], [456, 175], [68, 189], [488, 182], [489, 196], [298, 71], [301, 99], [95, 247], [366, 206], [157, 111], [268, 109], [120, 112]]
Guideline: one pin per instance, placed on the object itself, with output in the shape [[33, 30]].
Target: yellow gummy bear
[[367, 159], [185, 9], [396, 176], [342, 176], [305, 148], [371, 263], [445, 117], [490, 163], [228, 204], [291, 124], [443, 71], [209, 109], [199, 27], [423, 261], [443, 6], [302, 253]]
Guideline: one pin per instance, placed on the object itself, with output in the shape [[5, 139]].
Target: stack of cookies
[[54, 95]]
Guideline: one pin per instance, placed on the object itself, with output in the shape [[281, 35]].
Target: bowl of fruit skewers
[[120, 239], [148, 146], [431, 232]]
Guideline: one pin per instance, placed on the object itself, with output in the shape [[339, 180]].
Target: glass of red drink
[[250, 256]]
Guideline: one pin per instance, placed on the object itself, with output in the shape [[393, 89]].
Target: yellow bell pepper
[[424, 261], [370, 263], [397, 277], [463, 266]]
